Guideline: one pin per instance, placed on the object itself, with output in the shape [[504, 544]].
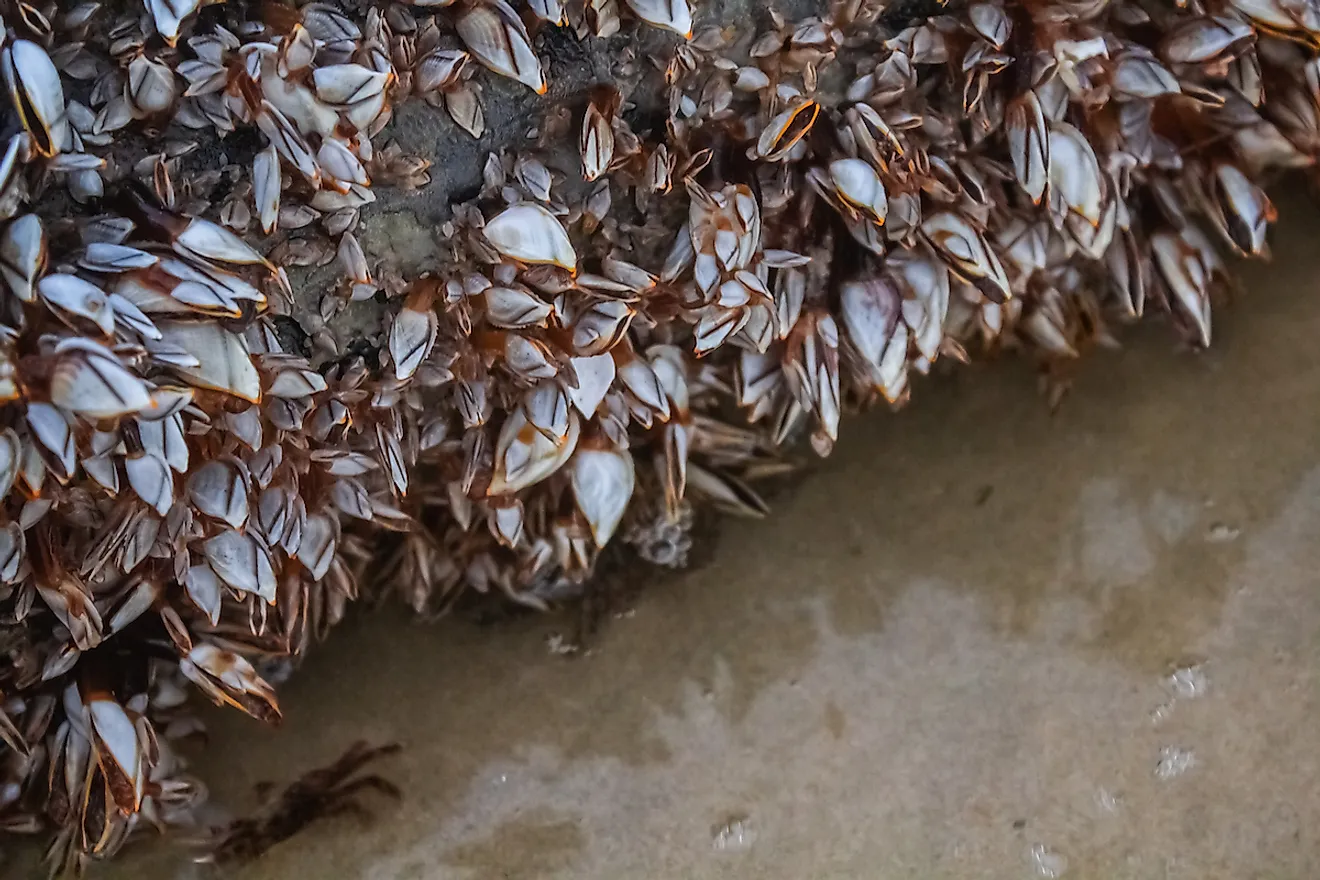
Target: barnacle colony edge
[[196, 470]]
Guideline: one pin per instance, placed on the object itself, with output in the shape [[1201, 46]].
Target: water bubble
[[1161, 712], [1108, 801], [734, 835], [1047, 863], [1187, 682], [1184, 683], [1174, 761]]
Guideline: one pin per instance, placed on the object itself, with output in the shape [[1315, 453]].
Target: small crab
[[318, 794]]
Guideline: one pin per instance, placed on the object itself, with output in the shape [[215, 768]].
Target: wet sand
[[949, 653]]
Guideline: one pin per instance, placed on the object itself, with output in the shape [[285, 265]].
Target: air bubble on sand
[[1184, 683], [1047, 863], [1160, 713], [1174, 761], [1187, 682], [734, 835], [1108, 801]]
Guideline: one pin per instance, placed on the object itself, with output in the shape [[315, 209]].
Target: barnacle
[[225, 414]]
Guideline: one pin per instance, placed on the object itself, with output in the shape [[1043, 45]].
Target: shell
[[597, 143], [495, 35], [669, 15], [603, 482], [857, 183], [531, 234], [37, 94]]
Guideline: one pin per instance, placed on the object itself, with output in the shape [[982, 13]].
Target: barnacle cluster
[[746, 231]]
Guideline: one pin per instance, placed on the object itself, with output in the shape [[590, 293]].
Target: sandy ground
[[980, 641]]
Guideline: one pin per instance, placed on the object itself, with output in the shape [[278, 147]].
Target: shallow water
[[980, 641]]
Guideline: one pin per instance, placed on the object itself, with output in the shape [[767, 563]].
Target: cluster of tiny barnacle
[[828, 207]]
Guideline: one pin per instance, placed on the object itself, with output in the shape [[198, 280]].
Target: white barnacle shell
[[116, 739], [204, 590], [326, 22], [1246, 209], [546, 407], [343, 84], [1279, 16], [211, 241], [38, 96], [11, 455], [1184, 272], [101, 256], [23, 255], [513, 308], [1028, 143], [295, 382], [140, 597], [726, 492], [870, 311], [505, 520], [603, 480], [595, 376], [164, 439], [991, 22], [858, 184], [496, 36], [411, 337], [1138, 75], [297, 51], [316, 550], [528, 233], [643, 381], [529, 358], [241, 563], [224, 362], [439, 69], [967, 253], [151, 480], [524, 456], [599, 328], [290, 144], [69, 294], [1075, 177], [53, 431], [597, 143], [227, 677], [1205, 38], [669, 15], [89, 380], [352, 259], [219, 490], [151, 86], [464, 105], [169, 14], [266, 187], [782, 133], [549, 11]]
